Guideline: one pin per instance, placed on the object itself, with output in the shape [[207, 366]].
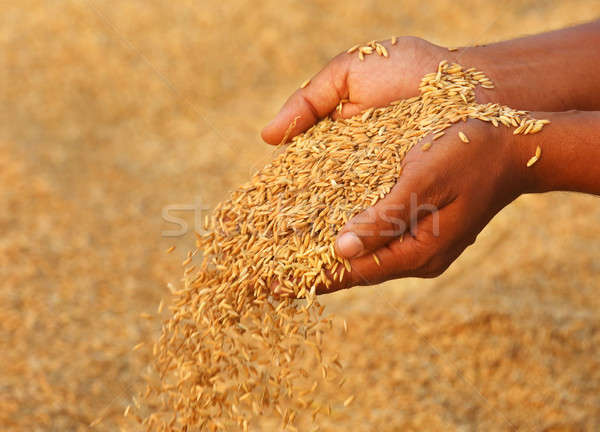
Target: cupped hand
[[444, 197], [373, 82]]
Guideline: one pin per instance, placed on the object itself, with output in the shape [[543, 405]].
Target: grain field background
[[111, 112]]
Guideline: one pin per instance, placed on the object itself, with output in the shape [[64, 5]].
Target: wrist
[[570, 153], [518, 177], [526, 77], [522, 148]]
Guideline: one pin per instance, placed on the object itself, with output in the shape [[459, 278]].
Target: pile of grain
[[231, 349]]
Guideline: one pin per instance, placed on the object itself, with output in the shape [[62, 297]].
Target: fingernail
[[349, 245]]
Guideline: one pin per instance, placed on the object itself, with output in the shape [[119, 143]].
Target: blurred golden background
[[111, 111]]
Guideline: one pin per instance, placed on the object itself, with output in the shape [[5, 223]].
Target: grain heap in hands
[[233, 350]]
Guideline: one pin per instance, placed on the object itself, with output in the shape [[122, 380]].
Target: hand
[[466, 183], [376, 81], [442, 200], [440, 178], [526, 77]]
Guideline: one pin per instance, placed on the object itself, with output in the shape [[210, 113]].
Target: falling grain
[[463, 137], [305, 84], [96, 422], [278, 230]]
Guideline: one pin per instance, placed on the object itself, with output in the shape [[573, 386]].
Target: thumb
[[387, 220], [309, 104]]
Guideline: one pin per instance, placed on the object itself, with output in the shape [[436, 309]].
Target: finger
[[376, 267], [307, 105], [437, 241]]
